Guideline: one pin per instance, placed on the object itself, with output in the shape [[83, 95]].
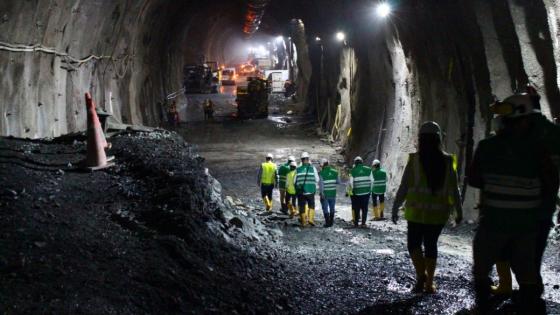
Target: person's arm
[[317, 177], [276, 178], [321, 186], [458, 204], [401, 192], [259, 175], [474, 175], [371, 179]]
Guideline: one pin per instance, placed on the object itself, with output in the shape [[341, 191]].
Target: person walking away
[[327, 187], [307, 179], [283, 171], [173, 114], [208, 109], [548, 134], [291, 195], [430, 190], [266, 180], [378, 190], [361, 180]]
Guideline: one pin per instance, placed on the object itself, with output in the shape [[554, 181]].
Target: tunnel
[[170, 220]]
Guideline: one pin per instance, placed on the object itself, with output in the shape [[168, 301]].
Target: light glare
[[383, 9], [340, 36]]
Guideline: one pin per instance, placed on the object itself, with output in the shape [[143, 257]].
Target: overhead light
[[317, 39], [340, 36], [383, 9], [279, 39]]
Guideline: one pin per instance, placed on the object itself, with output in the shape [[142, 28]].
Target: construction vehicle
[[228, 76], [252, 101], [199, 79]]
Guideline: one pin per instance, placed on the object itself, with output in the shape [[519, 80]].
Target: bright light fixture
[[279, 39], [340, 36], [383, 9], [317, 39]]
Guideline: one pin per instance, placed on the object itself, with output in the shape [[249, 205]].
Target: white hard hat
[[305, 155], [516, 105], [324, 161], [430, 127], [376, 162], [291, 158], [293, 163], [269, 156], [358, 159]]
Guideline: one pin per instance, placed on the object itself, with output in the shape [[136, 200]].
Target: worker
[[516, 176], [291, 196], [378, 190], [429, 187], [352, 198], [173, 114], [327, 188], [307, 179], [267, 179], [547, 134], [361, 180], [208, 109], [282, 172]]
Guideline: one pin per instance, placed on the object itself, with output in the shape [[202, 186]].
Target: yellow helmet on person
[[516, 105]]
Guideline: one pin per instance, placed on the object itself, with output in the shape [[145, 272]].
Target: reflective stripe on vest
[[511, 192], [361, 180], [309, 179], [424, 205], [268, 173], [282, 172]]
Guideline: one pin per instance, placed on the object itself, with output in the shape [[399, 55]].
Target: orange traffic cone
[[96, 143]]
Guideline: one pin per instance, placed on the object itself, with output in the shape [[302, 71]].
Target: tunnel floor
[[141, 237]]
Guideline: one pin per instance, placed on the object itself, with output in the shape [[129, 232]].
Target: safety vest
[[291, 182], [329, 177], [511, 192], [305, 178], [361, 180], [379, 181], [268, 175], [282, 172], [424, 205]]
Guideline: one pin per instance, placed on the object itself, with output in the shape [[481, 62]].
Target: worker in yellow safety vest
[[291, 195], [267, 179], [429, 187]]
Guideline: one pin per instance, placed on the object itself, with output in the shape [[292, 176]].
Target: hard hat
[[291, 158], [305, 155], [516, 105], [269, 156], [358, 159], [376, 162], [430, 127], [324, 161], [293, 163]]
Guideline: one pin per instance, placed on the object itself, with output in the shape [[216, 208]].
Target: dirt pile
[[151, 235]]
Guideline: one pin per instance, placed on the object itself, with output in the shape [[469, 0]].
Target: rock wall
[[128, 54], [442, 61]]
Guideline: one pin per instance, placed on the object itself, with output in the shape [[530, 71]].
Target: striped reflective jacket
[[329, 179], [361, 180], [307, 179], [283, 170], [379, 181]]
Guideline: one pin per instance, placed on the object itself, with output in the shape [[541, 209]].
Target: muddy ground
[[152, 235]]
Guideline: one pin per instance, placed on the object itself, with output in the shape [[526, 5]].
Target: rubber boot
[[376, 213], [326, 216], [504, 278], [381, 209], [331, 219], [311, 216], [292, 210], [303, 219], [429, 286], [419, 264], [267, 203]]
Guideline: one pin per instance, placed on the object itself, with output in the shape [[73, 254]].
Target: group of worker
[[298, 185], [516, 170]]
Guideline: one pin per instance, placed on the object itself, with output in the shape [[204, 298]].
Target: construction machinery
[[252, 101], [199, 79]]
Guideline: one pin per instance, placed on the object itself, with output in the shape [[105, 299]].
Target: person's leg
[[264, 195], [374, 209], [431, 236], [364, 206], [302, 214], [325, 208], [311, 210], [487, 245], [291, 202], [332, 204], [355, 210], [414, 235], [381, 205], [543, 230], [283, 205], [523, 260]]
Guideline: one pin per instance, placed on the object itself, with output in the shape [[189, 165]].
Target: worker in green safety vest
[[361, 180], [378, 190], [307, 179], [282, 172], [518, 182], [547, 134], [291, 195], [429, 188], [266, 179], [327, 187]]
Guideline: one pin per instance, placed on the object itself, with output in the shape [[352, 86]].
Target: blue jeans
[[328, 203]]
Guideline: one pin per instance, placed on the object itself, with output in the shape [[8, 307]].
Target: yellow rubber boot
[[381, 209], [292, 210], [429, 286], [303, 219], [311, 216], [265, 201], [504, 278], [353, 215], [376, 216], [373, 213], [419, 264]]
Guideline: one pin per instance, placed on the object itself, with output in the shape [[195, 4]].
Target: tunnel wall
[[140, 48], [442, 61]]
